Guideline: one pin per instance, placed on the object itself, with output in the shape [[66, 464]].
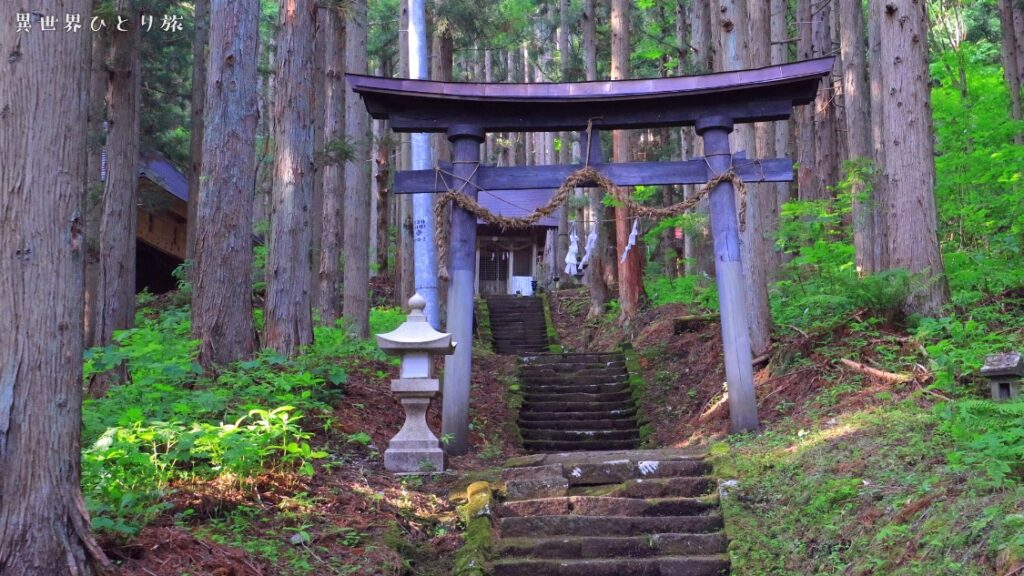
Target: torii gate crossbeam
[[712, 103]]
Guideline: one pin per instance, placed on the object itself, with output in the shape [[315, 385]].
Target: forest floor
[[347, 516], [853, 474]]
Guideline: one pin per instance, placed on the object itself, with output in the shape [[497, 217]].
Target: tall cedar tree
[[630, 281], [783, 130], [116, 281], [288, 316], [200, 41], [357, 179], [909, 154], [332, 153], [222, 296], [1013, 71], [598, 260], [857, 104], [698, 250], [93, 212], [44, 83]]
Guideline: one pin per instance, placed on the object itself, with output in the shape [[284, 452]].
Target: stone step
[[533, 395], [510, 309], [609, 547], [571, 381], [588, 388], [587, 375], [615, 472], [541, 415], [575, 357], [610, 407], [579, 435], [513, 337], [609, 457], [578, 445], [600, 424], [657, 566], [578, 369], [612, 367], [608, 506], [535, 526], [687, 486]]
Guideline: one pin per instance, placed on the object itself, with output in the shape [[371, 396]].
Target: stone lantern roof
[[416, 334]]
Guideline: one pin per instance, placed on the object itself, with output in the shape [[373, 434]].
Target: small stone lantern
[[415, 449], [1006, 373]]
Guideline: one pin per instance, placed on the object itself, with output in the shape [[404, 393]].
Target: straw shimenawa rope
[[586, 176]]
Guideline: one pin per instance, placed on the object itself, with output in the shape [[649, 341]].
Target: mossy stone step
[[657, 566], [611, 546], [539, 415], [578, 445], [574, 358], [690, 486], [574, 406], [628, 508], [584, 388], [532, 395], [608, 457], [580, 435], [607, 525], [568, 380], [561, 424]]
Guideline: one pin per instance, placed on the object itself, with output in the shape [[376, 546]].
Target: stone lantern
[[1005, 372], [415, 448]]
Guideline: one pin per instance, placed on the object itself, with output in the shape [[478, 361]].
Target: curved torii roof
[[760, 94]]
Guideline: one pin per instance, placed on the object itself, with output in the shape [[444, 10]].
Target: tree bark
[[44, 527], [222, 296], [598, 262], [329, 275], [783, 130], [1011, 47], [826, 151], [383, 178], [762, 199], [880, 180], [809, 185], [357, 180], [288, 314], [856, 97], [698, 250], [630, 280], [1018, 31], [116, 279], [96, 175], [404, 260], [565, 152], [199, 43], [909, 154], [735, 48]]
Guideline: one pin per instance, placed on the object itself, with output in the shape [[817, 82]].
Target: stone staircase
[[615, 513], [517, 324], [576, 402]]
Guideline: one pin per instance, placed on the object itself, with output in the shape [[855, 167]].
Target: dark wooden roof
[[760, 94], [161, 172]]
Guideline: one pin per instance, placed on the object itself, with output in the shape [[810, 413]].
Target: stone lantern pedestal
[[415, 449]]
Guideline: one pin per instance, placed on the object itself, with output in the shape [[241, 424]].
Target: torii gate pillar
[[466, 142], [739, 372]]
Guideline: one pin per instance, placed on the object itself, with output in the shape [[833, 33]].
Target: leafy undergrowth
[[269, 466], [912, 473]]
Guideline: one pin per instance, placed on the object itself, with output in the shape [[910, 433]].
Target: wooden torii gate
[[712, 103]]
